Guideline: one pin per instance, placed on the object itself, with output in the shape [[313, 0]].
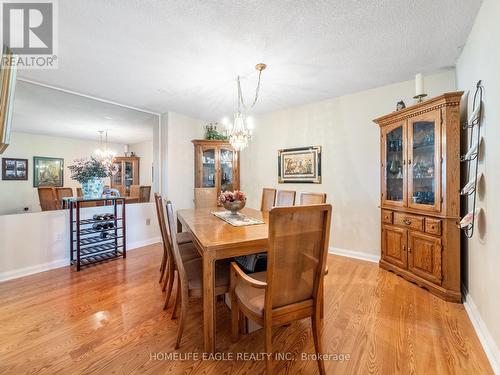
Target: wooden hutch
[[217, 168], [420, 199], [127, 173]]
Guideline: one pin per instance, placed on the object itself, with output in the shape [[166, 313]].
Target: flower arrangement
[[87, 169], [211, 133], [232, 196]]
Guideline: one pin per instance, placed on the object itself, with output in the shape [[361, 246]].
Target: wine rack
[[100, 238]]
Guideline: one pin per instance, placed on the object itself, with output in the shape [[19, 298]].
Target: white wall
[[180, 158], [480, 59], [16, 195], [350, 162], [39, 241], [145, 151]]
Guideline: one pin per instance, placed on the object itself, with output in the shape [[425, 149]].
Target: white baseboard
[[26, 271], [354, 254], [490, 347], [137, 244]]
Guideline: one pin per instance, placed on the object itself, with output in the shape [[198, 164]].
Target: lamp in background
[[240, 132]]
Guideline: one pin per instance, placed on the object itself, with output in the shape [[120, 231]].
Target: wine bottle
[[97, 217], [98, 226]]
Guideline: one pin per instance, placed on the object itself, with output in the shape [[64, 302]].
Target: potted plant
[[89, 172], [233, 200]]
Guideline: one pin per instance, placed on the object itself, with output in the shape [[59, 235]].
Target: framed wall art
[[48, 171], [14, 169], [300, 165]]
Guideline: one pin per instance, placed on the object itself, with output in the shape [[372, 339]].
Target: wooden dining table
[[215, 239]]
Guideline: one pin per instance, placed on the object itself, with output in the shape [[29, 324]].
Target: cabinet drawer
[[387, 216], [409, 221], [433, 226]]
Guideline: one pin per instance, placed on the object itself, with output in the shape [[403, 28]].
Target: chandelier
[[239, 132], [104, 153]]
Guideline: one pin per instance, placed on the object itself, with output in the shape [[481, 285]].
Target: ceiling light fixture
[[239, 132], [104, 153]]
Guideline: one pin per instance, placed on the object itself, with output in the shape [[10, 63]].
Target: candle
[[419, 84]]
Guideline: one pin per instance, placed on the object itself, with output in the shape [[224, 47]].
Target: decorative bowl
[[235, 206]]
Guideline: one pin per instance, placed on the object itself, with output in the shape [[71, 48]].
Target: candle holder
[[420, 97]]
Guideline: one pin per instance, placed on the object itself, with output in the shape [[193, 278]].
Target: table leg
[[208, 303]]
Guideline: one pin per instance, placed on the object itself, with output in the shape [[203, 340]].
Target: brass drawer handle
[[409, 249], [407, 221]]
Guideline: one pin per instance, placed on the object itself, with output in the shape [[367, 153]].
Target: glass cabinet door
[[117, 177], [208, 173], [226, 169], [424, 162], [394, 165], [128, 176]]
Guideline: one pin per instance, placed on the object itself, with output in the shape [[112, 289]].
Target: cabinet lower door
[[424, 256], [394, 245]]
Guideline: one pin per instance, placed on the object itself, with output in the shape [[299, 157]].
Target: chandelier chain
[[240, 95]]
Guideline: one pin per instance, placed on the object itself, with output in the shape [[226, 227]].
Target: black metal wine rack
[[89, 245]]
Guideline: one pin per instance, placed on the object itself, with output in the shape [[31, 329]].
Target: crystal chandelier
[[103, 153], [240, 133]]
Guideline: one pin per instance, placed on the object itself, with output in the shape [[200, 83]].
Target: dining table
[[215, 239]]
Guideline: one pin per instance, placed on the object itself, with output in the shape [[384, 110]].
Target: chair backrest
[[160, 214], [298, 247], [134, 191], [311, 198], [144, 193], [174, 250], [205, 197], [285, 198], [63, 192], [268, 198], [47, 197], [79, 192]]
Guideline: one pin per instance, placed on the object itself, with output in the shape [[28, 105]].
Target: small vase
[[92, 189], [234, 207]]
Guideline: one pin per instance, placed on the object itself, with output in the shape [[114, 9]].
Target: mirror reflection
[[55, 138]]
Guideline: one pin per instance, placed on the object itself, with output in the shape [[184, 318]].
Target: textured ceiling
[[40, 110], [184, 55]]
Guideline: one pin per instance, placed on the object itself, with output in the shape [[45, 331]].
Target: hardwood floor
[[109, 319]]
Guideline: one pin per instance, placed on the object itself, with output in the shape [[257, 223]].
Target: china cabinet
[[216, 168], [420, 201], [127, 173]]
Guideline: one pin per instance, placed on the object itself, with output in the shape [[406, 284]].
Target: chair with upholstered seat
[[290, 288], [63, 192], [285, 198], [311, 198], [268, 198], [189, 277]]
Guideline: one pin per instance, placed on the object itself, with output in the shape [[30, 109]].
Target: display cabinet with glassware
[[216, 167], [420, 200], [127, 173]]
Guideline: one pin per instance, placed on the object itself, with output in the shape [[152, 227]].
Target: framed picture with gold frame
[[48, 171], [299, 165]]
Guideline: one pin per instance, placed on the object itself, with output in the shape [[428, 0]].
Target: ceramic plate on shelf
[[469, 186], [467, 220]]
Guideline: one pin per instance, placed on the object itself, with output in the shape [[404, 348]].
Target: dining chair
[[268, 198], [311, 198], [47, 198], [189, 277], [63, 192], [187, 251], [289, 289], [160, 216], [285, 198], [205, 197], [144, 194], [134, 191], [79, 192]]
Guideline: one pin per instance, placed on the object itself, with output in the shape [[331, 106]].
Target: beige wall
[[180, 158], [145, 151], [480, 59], [15, 195], [350, 162]]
